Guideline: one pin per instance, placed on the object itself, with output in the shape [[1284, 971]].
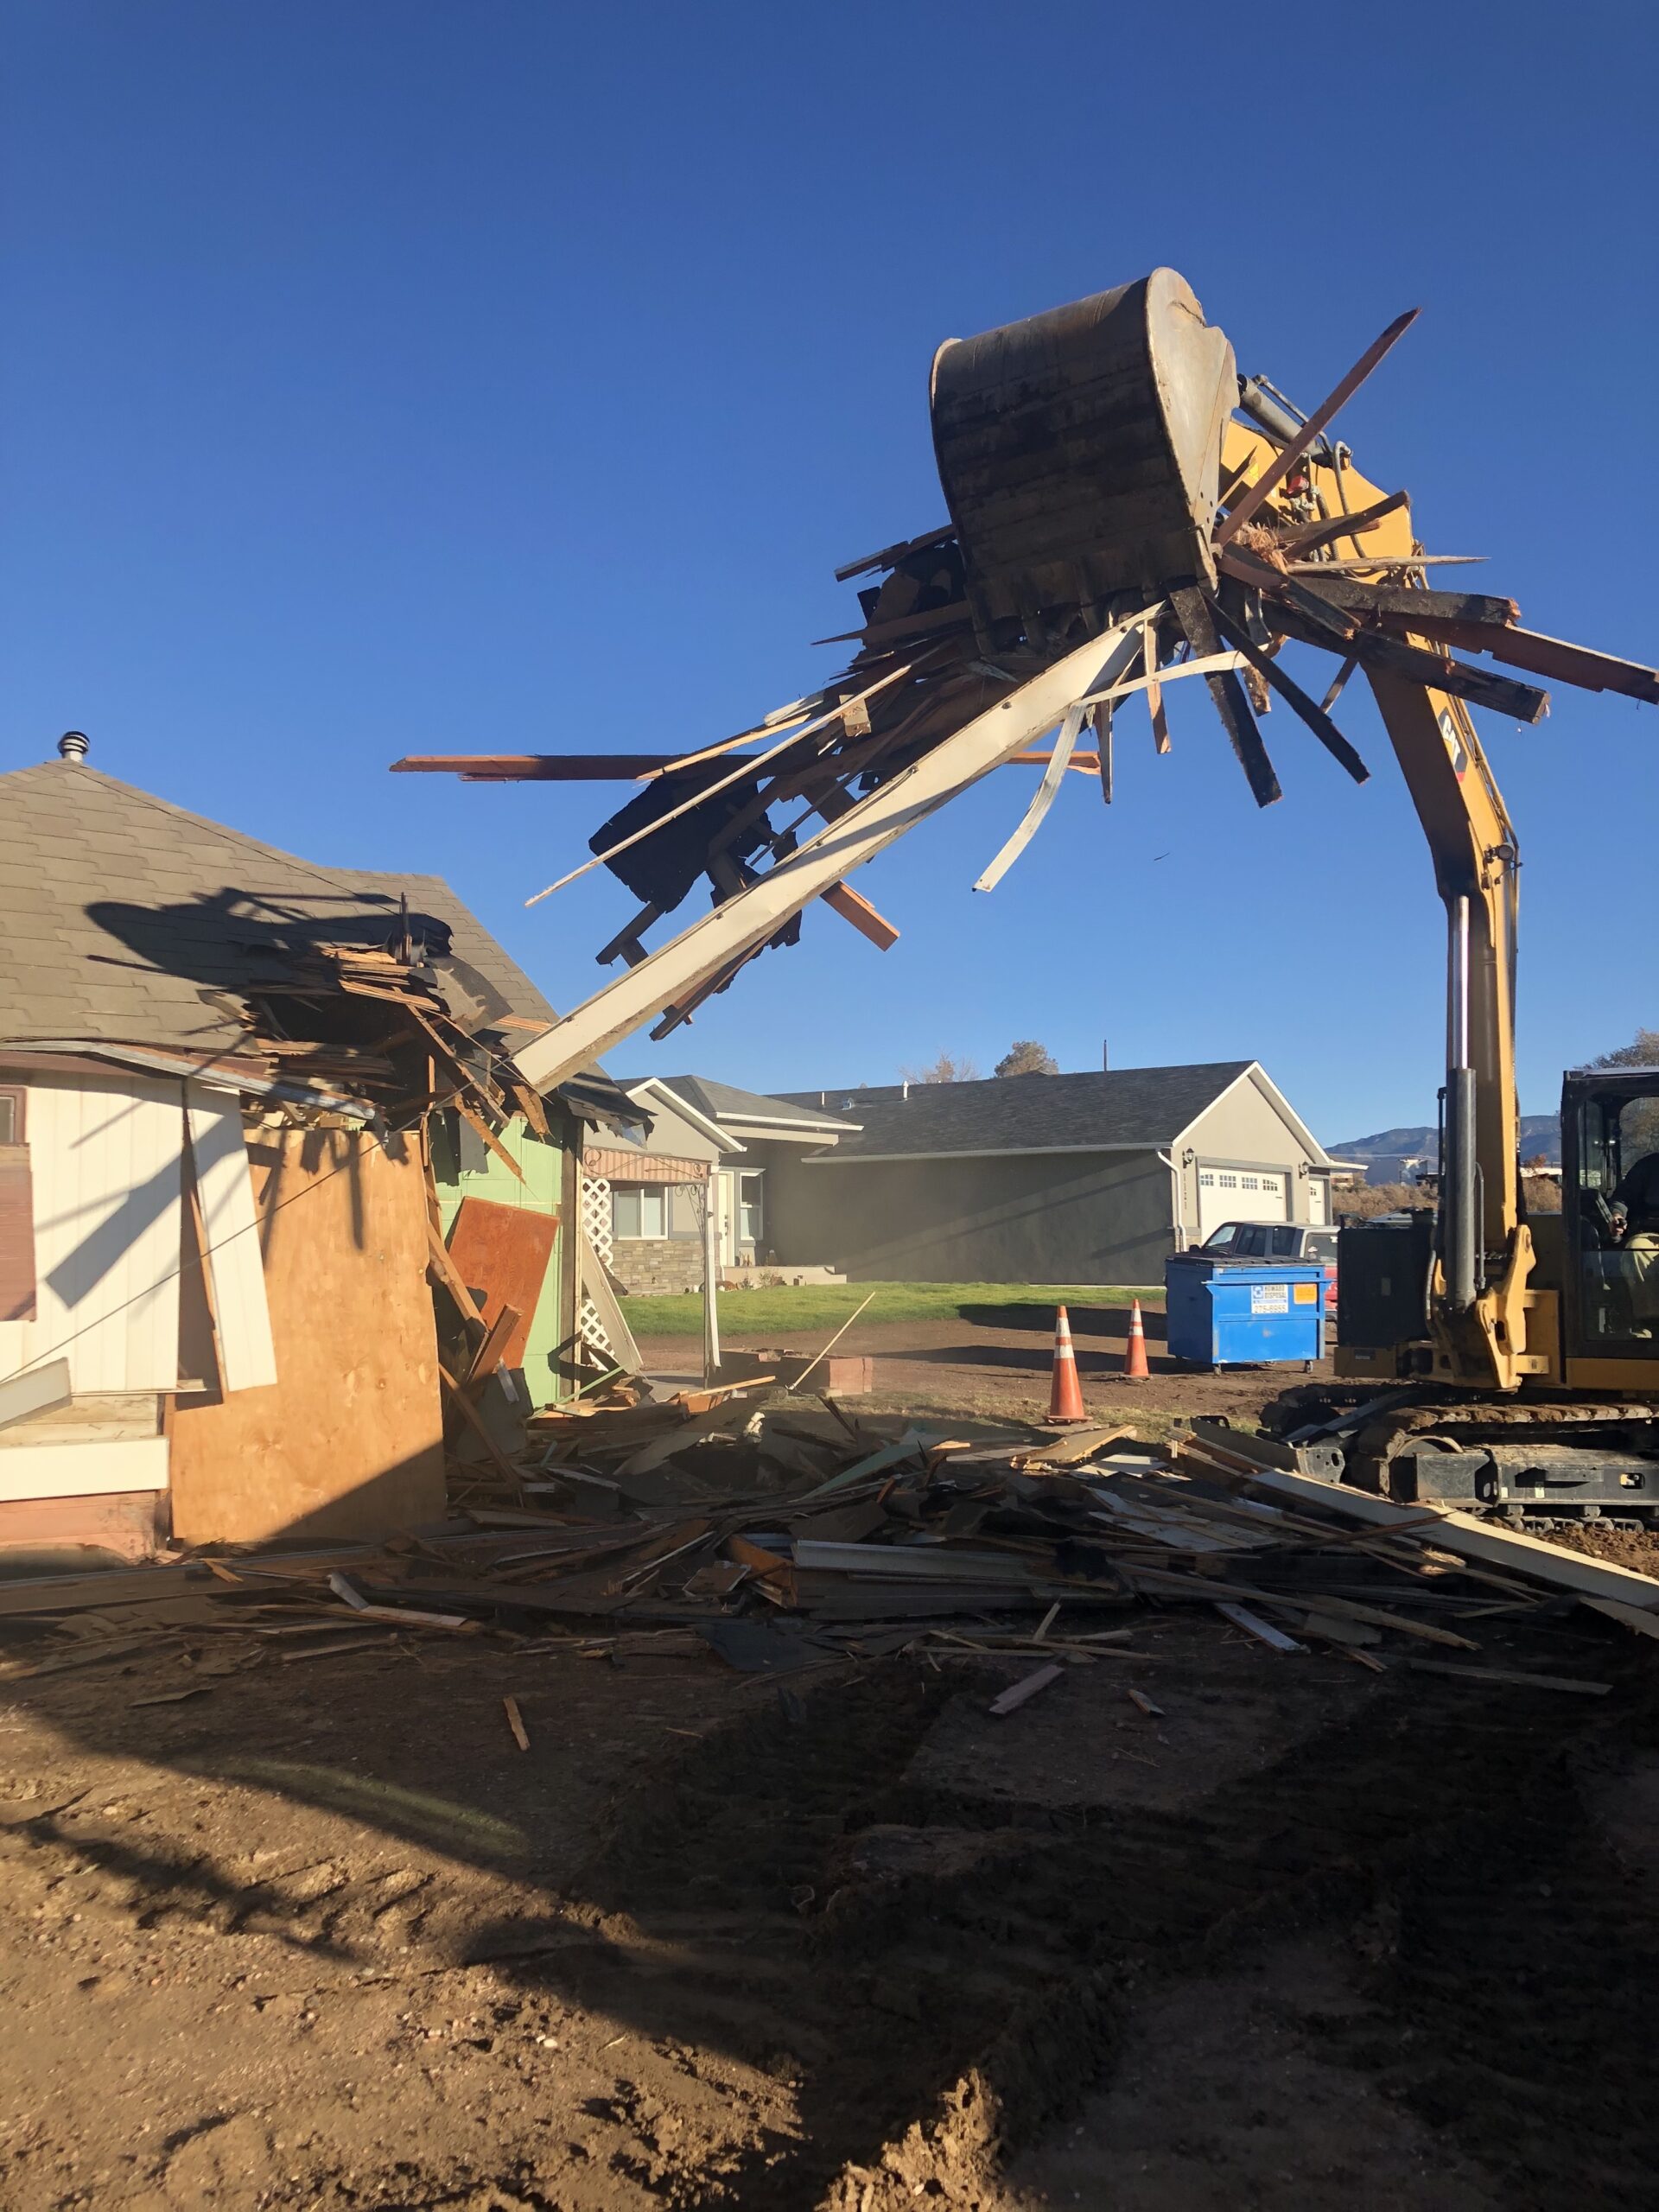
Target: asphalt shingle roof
[[126, 919], [723, 1102], [1025, 1113]]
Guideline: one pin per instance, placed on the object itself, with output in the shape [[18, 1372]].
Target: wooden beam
[[1314, 534], [843, 899], [1543, 656], [1016, 720], [1402, 599], [538, 767], [1194, 612], [1390, 656], [1293, 693], [1280, 466]]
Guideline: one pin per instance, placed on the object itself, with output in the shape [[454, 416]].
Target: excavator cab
[[1609, 1205]]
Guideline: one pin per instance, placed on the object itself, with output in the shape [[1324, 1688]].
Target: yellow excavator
[[1484, 1355], [1126, 510]]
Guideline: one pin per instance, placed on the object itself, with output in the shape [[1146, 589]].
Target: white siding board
[[235, 1267], [104, 1155], [83, 1470]]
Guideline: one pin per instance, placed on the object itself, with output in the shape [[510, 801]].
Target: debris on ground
[[782, 1536]]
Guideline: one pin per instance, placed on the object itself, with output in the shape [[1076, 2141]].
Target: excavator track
[[1545, 1462]]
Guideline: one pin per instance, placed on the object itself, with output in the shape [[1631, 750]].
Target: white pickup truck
[[1278, 1239]]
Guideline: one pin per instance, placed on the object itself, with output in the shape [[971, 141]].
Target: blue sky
[[508, 377]]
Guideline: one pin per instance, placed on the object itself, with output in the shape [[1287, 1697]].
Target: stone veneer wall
[[651, 1265]]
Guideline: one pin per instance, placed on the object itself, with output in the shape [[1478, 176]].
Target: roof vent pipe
[[74, 746], [905, 1093]]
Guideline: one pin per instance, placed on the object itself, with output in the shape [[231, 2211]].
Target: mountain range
[[1385, 1149]]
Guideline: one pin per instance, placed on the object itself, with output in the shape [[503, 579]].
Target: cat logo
[[1453, 744]]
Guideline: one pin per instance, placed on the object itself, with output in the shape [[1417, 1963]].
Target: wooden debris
[[1252, 1625], [1140, 1699], [515, 1722], [1014, 1698], [1511, 1676]]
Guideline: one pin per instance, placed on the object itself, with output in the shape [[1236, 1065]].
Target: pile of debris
[[784, 1535], [376, 1022]]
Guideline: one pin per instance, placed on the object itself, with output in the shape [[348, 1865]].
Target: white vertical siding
[[235, 1265], [104, 1155]]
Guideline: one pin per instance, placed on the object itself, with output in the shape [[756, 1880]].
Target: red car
[[1280, 1240]]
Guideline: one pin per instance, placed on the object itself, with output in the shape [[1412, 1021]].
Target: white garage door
[[1240, 1194]]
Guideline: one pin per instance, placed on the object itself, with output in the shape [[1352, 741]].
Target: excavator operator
[[1636, 1224]]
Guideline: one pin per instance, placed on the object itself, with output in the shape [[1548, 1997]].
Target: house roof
[[129, 920], [726, 1105], [1122, 1107]]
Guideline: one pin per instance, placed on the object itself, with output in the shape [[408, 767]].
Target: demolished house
[[248, 1106]]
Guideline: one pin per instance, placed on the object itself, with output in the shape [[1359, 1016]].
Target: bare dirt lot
[[322, 1935], [997, 1364], [318, 1934]]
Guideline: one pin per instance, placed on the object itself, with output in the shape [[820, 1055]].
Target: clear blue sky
[[487, 375]]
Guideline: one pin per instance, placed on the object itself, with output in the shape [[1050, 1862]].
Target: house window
[[16, 1209], [638, 1210], [750, 1218]]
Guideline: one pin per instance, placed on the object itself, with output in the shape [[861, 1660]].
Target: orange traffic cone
[[1064, 1398], [1134, 1357]]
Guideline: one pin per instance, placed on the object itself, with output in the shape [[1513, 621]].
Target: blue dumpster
[[1225, 1313]]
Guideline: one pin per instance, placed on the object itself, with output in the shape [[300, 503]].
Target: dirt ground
[[317, 1934], [997, 1364]]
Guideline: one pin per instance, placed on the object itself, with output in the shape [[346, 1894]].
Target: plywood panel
[[104, 1157], [348, 1441], [501, 1255]]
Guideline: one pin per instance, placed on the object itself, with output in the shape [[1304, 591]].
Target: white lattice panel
[[596, 1228], [596, 1214]]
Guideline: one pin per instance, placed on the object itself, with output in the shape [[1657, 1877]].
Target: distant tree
[[943, 1070], [1639, 1122], [1026, 1057], [1642, 1052]]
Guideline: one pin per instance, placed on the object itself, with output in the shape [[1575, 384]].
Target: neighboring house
[[1085, 1179], [705, 1137], [214, 1227]]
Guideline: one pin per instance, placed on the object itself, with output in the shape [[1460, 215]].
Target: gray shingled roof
[[1025, 1113], [723, 1102], [128, 920]]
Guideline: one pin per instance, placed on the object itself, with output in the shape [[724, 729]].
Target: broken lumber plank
[[515, 1722], [1531, 650], [1194, 612], [1467, 1537], [841, 899], [1066, 1451], [488, 1356], [1287, 459], [1410, 603], [1314, 534], [1292, 695], [1513, 1676], [1644, 1623], [1252, 1625], [1018, 1695], [1014, 720], [1382, 654]]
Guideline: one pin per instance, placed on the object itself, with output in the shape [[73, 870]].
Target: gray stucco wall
[[1083, 1217], [1245, 1129]]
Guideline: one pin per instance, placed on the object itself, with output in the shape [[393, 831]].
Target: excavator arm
[[1480, 1301]]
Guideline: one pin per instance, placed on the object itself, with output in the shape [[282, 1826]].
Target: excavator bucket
[[1080, 454]]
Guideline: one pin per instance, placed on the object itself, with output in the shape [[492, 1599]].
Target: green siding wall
[[462, 1168]]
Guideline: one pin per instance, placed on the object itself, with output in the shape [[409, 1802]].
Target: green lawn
[[826, 1305]]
